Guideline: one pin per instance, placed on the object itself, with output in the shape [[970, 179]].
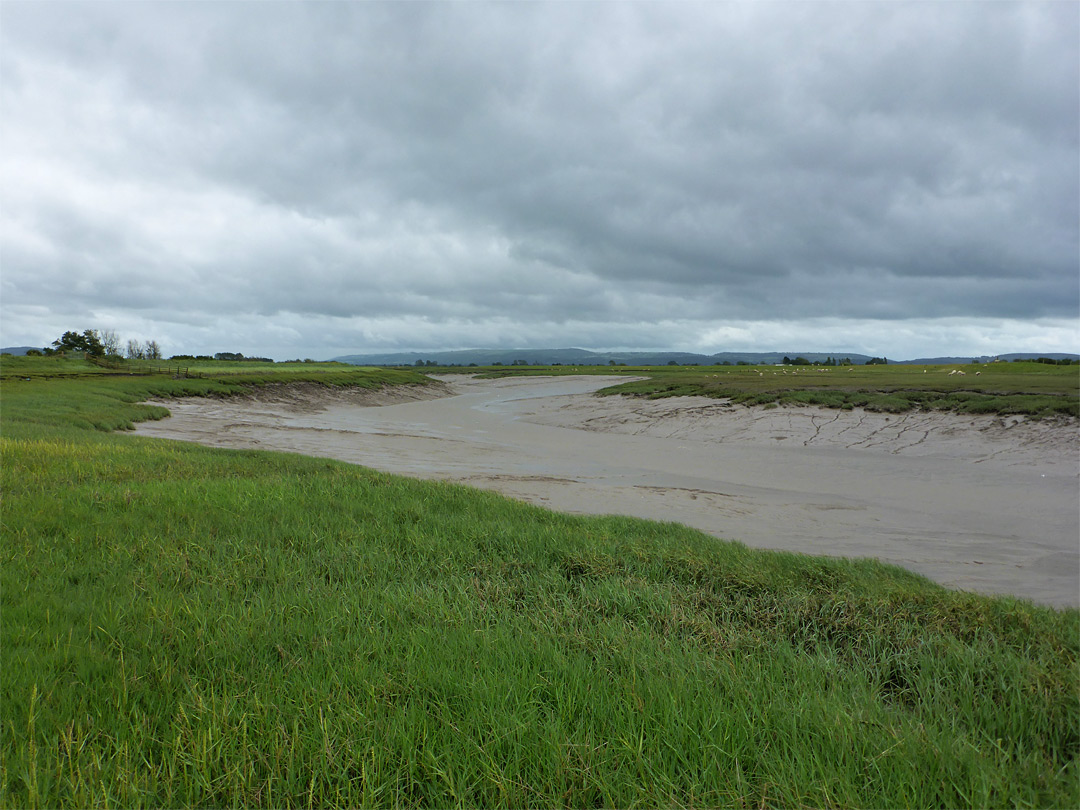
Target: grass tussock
[[190, 626]]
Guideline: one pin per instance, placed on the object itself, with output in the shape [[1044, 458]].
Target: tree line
[[829, 361], [104, 343]]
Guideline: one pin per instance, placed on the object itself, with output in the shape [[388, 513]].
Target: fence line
[[176, 372]]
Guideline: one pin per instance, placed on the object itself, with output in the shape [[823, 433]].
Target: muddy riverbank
[[980, 503]]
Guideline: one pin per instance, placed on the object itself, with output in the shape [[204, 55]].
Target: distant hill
[[938, 361], [481, 357], [581, 357], [19, 350], [1035, 356], [584, 357]]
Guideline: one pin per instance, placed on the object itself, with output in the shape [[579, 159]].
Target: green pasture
[[187, 626], [59, 392], [13, 367]]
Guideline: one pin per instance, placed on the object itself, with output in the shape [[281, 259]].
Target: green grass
[[13, 367], [52, 391], [189, 626], [52, 366], [1033, 389]]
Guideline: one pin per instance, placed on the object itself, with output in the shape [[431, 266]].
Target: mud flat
[[981, 503]]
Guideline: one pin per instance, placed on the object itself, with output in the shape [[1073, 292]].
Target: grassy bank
[[57, 392], [190, 626], [230, 372], [1032, 389]]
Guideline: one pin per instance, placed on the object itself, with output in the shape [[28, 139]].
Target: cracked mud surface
[[1009, 440], [980, 503]]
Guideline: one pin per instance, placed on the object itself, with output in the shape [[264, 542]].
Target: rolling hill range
[[506, 357]]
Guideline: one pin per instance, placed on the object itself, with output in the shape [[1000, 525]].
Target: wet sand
[[984, 503]]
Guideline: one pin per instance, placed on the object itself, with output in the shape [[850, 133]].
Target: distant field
[[1034, 389], [80, 366], [58, 391], [187, 626]]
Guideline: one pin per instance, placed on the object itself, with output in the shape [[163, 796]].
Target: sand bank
[[982, 503]]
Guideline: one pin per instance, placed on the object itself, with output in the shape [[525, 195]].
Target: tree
[[87, 342], [153, 351], [110, 341], [93, 343], [135, 350]]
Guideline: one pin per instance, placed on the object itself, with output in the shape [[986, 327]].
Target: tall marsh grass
[[189, 626]]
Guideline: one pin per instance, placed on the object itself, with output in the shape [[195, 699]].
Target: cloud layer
[[312, 179]]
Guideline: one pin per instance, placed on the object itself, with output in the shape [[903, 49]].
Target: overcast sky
[[307, 180]]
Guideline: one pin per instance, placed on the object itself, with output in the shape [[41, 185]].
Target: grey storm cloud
[[614, 164]]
